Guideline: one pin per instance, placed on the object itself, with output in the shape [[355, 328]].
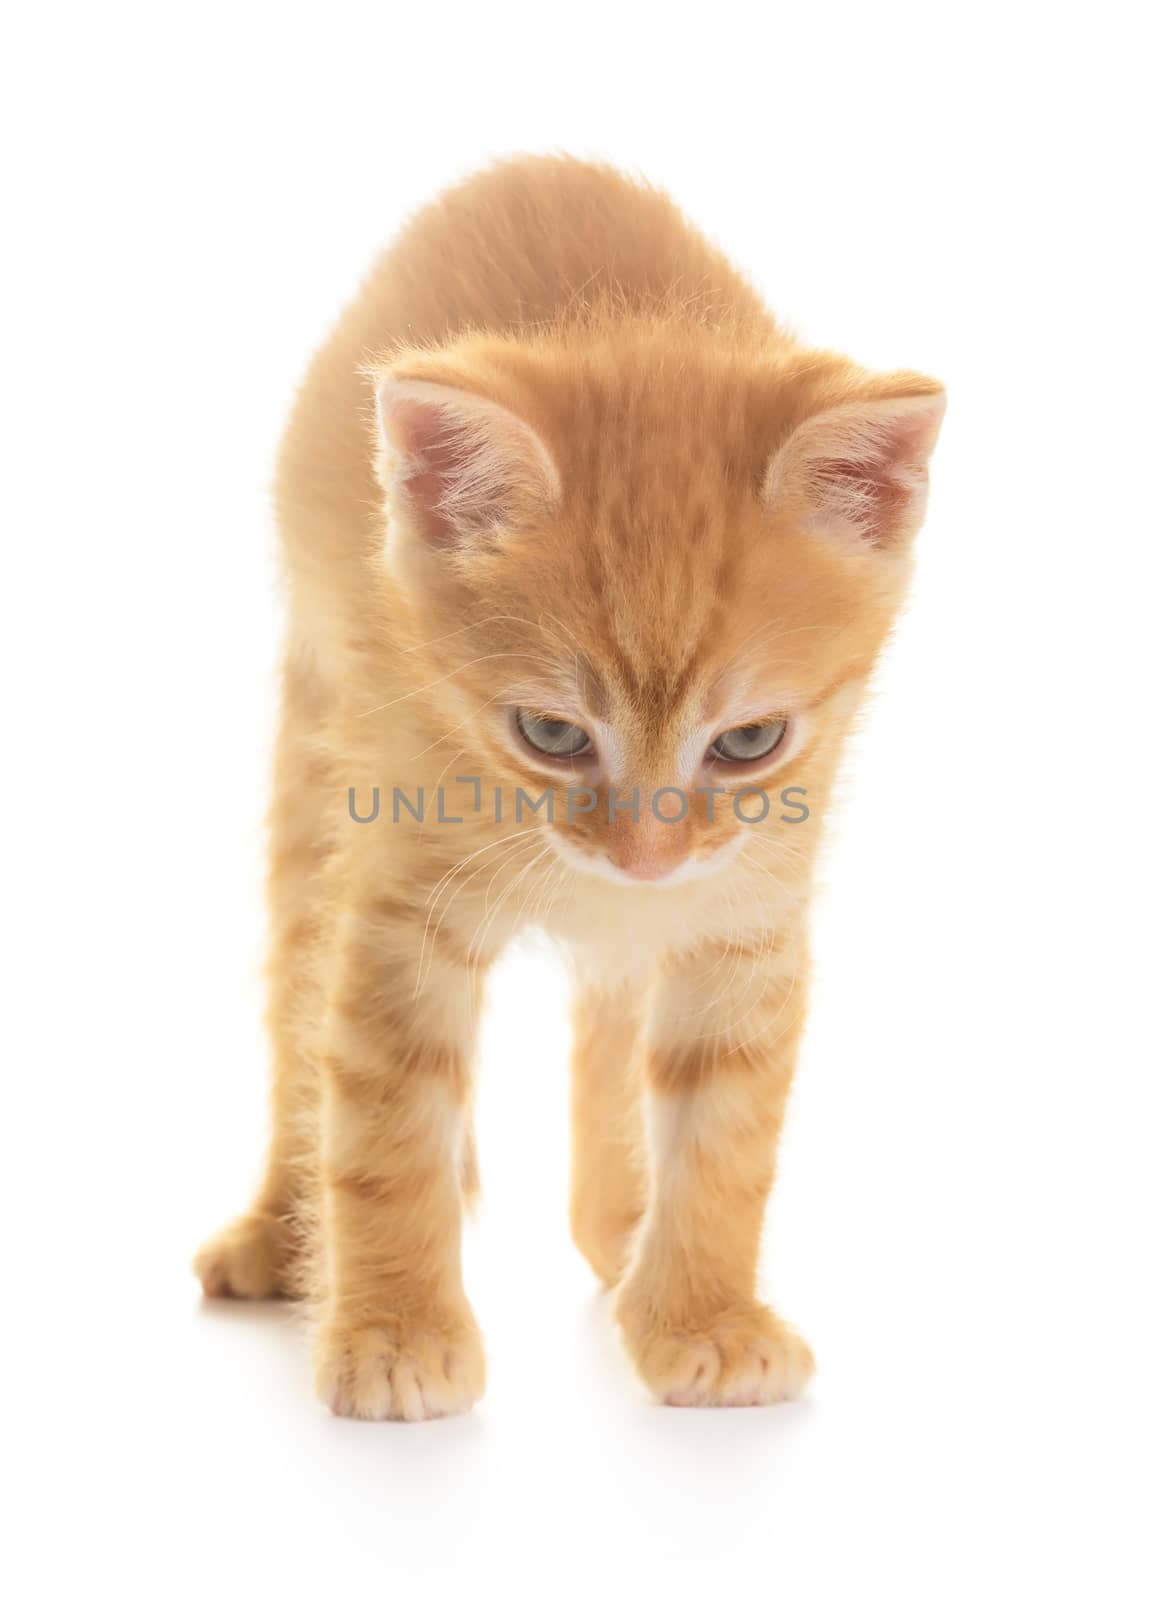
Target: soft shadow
[[272, 1336], [720, 1432], [227, 1308], [612, 1367]]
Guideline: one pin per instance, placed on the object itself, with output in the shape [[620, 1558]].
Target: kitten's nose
[[647, 869], [648, 850]]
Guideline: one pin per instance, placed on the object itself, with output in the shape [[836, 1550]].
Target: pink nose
[[647, 850], [647, 869]]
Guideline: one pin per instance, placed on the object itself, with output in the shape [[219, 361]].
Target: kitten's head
[[650, 563]]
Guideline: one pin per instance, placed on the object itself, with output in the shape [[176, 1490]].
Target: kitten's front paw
[[250, 1259], [399, 1373], [746, 1356]]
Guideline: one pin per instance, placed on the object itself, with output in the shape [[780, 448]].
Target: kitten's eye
[[551, 735], [750, 743]]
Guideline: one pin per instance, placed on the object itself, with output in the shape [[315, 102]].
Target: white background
[[960, 1225]]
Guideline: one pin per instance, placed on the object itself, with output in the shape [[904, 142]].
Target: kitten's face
[[646, 648], [725, 678]]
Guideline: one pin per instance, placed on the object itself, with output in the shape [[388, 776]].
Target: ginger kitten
[[587, 553]]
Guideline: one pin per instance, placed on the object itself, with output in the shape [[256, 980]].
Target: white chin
[[692, 870]]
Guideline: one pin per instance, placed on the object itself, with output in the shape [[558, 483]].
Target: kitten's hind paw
[[250, 1259], [401, 1374]]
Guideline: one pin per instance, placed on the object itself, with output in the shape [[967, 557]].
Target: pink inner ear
[[873, 494], [861, 469], [436, 455], [464, 465]]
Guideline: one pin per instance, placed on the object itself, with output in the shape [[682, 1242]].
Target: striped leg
[[397, 1337], [259, 1254], [608, 1181], [720, 1062]]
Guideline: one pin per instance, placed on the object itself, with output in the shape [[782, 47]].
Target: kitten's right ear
[[455, 465], [858, 470]]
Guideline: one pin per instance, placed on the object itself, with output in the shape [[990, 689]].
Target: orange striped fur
[[557, 456]]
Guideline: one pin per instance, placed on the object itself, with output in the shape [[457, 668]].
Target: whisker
[[474, 949], [494, 655], [470, 718], [426, 954], [469, 627]]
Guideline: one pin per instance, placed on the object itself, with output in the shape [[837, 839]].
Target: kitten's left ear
[[859, 470], [456, 463]]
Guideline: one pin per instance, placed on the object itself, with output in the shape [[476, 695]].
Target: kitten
[[566, 516]]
